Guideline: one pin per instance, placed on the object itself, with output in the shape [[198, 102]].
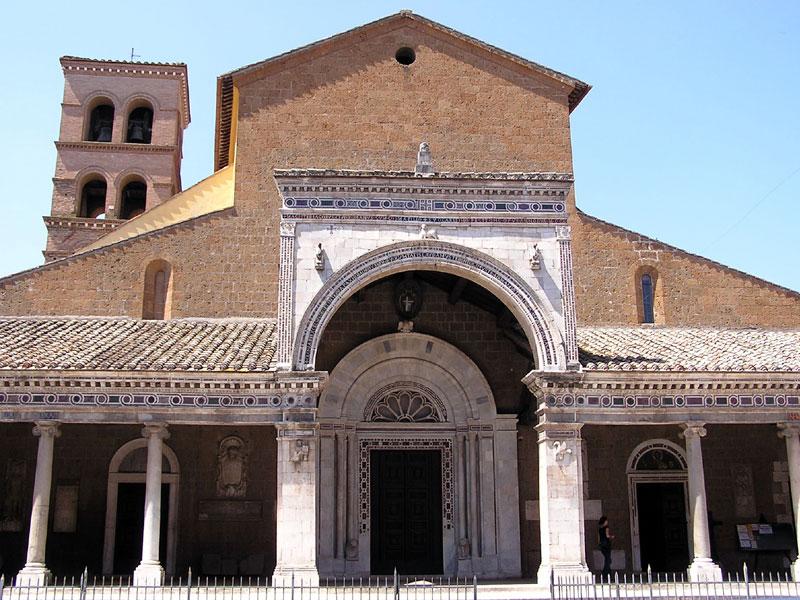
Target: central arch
[[407, 393], [543, 336]]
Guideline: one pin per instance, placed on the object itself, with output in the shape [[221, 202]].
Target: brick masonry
[[355, 107]]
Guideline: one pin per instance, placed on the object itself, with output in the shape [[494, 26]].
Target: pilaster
[[564, 237], [561, 502], [285, 296], [296, 534]]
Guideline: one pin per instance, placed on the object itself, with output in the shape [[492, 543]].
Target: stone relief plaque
[[232, 467], [12, 502], [65, 511]]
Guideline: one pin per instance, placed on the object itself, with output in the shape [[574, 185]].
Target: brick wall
[[355, 107], [690, 290]]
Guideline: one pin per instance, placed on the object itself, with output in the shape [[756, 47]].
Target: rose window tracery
[[405, 402]]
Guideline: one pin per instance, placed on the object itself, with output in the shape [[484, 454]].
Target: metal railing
[[662, 585], [392, 587]]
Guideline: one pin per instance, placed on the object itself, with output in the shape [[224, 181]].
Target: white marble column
[[561, 503], [702, 567], [35, 572], [296, 534], [150, 571], [791, 431]]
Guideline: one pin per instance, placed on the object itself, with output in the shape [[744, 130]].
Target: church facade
[[381, 335]]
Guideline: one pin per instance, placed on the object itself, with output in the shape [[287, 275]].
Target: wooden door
[[406, 512]]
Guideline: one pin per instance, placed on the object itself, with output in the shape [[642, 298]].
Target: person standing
[[604, 538]]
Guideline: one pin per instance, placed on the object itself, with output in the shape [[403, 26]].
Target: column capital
[[50, 429], [788, 430], [693, 431], [155, 430]]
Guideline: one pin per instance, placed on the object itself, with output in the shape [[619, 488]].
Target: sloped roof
[[125, 344], [248, 345], [653, 348], [212, 194], [226, 80]]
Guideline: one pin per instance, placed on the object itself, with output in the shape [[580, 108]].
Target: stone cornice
[[81, 222], [109, 147]]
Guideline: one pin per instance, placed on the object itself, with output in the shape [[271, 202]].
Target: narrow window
[[93, 200], [101, 123], [140, 125], [647, 299], [133, 200], [157, 291]]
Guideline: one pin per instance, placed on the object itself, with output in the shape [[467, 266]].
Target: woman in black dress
[[604, 538]]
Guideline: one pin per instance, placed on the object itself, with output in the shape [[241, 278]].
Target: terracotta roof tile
[[106, 343], [653, 348]]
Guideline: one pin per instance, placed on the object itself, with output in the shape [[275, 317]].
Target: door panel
[[663, 534], [406, 511]]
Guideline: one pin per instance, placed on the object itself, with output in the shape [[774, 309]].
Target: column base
[[305, 576], [150, 574], [33, 575], [704, 569], [572, 573]]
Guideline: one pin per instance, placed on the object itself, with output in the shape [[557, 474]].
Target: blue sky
[[691, 133]]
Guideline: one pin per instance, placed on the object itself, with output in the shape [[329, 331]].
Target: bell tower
[[119, 149]]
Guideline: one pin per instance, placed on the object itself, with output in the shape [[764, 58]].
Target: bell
[[136, 134], [104, 132]]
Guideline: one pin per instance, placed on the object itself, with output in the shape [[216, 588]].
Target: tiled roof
[[653, 348], [248, 345], [124, 344]]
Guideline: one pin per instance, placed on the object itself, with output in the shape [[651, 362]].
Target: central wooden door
[[130, 526], [406, 511]]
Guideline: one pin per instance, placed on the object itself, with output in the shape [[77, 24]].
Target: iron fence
[[394, 587], [660, 585]]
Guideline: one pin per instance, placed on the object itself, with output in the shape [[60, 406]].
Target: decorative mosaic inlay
[[405, 402], [448, 486], [674, 401], [353, 275], [157, 400], [544, 204]]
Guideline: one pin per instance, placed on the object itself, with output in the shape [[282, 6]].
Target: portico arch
[[544, 337]]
